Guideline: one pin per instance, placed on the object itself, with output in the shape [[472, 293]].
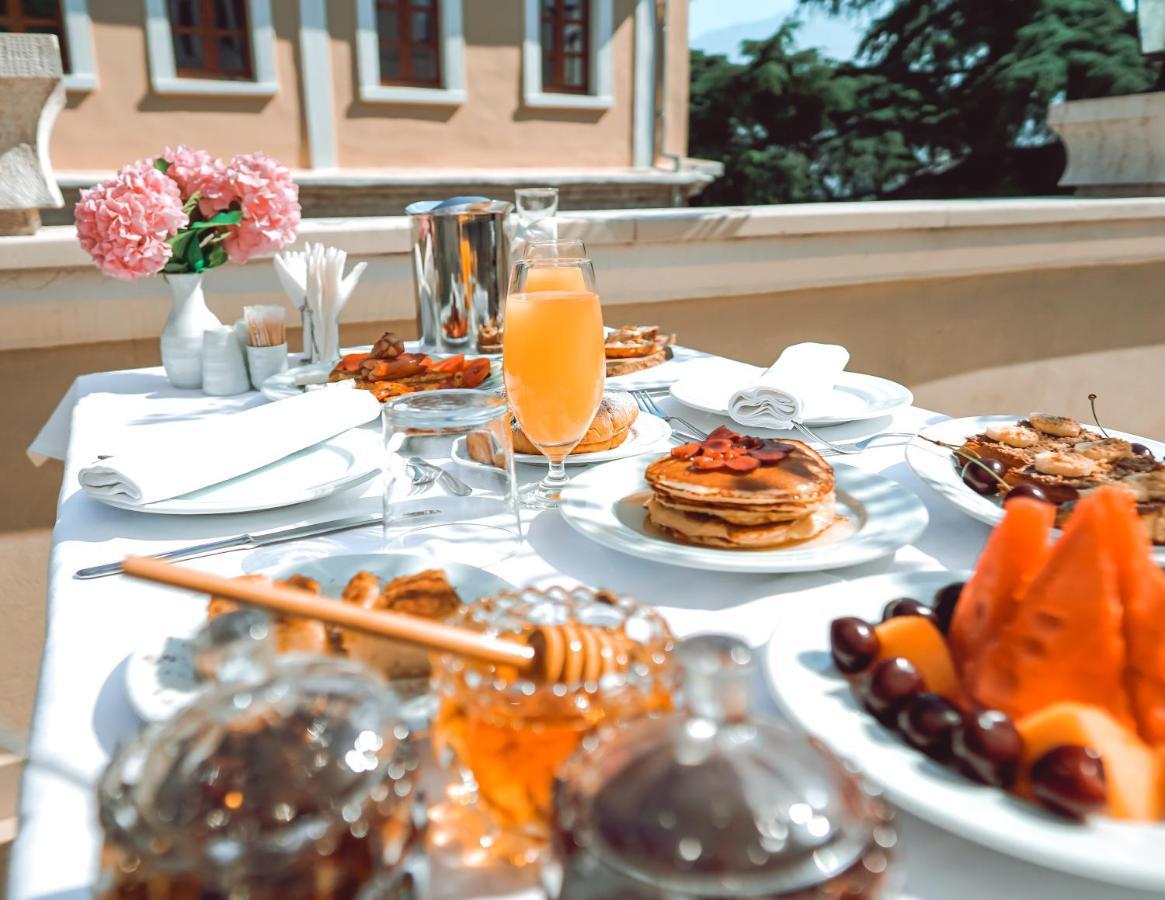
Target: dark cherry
[[1069, 780], [1141, 450], [945, 601], [987, 748], [927, 722], [853, 644], [891, 682], [980, 481], [905, 606], [1025, 490]]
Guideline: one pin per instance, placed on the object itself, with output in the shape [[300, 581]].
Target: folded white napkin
[[800, 380], [160, 461]]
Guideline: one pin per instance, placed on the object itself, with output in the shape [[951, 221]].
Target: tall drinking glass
[[553, 361]]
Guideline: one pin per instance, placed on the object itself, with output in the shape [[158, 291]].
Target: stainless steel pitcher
[[461, 265]]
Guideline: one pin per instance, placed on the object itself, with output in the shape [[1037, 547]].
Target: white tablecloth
[[82, 711]]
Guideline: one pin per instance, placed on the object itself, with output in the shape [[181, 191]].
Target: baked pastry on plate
[[633, 348], [610, 427], [738, 492]]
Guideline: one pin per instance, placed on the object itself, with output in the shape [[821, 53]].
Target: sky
[[718, 26]]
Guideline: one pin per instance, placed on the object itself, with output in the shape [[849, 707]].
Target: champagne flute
[[553, 360]]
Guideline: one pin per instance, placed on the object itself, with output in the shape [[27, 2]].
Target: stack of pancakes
[[788, 497]]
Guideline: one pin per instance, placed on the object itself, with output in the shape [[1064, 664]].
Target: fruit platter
[[1021, 705]]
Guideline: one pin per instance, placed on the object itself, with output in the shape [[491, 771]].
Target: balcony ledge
[[51, 294]]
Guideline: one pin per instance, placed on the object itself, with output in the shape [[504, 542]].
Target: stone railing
[[51, 295]]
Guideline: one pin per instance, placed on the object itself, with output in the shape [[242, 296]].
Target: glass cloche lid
[[713, 802], [284, 757]]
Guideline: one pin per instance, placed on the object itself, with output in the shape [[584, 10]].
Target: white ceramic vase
[[182, 334]]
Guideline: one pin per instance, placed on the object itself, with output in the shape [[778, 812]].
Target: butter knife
[[258, 539]]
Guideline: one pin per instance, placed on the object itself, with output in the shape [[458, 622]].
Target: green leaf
[[161, 165], [216, 255], [194, 257], [227, 217]]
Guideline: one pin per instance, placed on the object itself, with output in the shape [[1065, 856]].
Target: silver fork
[[648, 405], [813, 436]]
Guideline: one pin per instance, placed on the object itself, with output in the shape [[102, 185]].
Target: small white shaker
[[224, 365]]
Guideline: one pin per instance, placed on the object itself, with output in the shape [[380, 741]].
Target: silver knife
[[258, 539]]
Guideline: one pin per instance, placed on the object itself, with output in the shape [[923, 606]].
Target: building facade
[[378, 102]]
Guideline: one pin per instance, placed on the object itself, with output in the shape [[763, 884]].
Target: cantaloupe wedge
[[1015, 552], [919, 641], [1134, 774], [1143, 594], [1065, 640]]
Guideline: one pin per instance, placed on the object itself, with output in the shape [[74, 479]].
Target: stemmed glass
[[553, 358]]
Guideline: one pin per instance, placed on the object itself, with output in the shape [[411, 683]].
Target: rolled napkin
[[160, 461], [799, 382]]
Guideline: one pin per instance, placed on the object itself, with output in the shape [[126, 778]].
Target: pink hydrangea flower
[[124, 222], [198, 171], [269, 199]]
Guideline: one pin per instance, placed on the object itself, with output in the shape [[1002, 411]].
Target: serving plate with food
[[160, 674], [737, 503], [642, 358], [388, 369], [618, 430], [1021, 706], [977, 462]]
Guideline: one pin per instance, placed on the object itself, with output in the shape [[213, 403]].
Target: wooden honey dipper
[[567, 653]]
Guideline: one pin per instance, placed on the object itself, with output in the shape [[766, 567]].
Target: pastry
[[636, 347], [292, 635], [426, 594], [610, 427], [740, 492]]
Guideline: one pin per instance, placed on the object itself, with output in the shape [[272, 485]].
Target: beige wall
[[492, 129], [123, 120]]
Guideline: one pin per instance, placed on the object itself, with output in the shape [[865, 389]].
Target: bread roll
[[610, 427]]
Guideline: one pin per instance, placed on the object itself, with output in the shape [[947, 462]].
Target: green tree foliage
[[946, 98]]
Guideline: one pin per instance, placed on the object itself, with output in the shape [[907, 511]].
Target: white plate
[[649, 434], [662, 376], [934, 466], [341, 462], [815, 696], [286, 384], [605, 504], [160, 679], [710, 385]]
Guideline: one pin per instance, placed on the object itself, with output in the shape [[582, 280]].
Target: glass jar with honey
[[290, 777], [507, 733], [713, 801]]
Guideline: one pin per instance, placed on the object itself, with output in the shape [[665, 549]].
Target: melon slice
[[1134, 774], [1015, 552], [1143, 592], [918, 640], [1066, 638]]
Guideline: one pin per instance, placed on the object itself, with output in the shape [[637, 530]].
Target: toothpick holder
[[263, 362]]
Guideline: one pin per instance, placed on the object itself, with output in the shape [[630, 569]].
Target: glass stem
[[555, 479]]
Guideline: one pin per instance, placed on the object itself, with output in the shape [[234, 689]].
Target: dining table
[[82, 710]]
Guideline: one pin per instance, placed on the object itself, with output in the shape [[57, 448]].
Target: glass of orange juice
[[553, 359]]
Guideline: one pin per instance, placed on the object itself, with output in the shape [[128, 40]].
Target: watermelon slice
[[1065, 641], [1015, 552]]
